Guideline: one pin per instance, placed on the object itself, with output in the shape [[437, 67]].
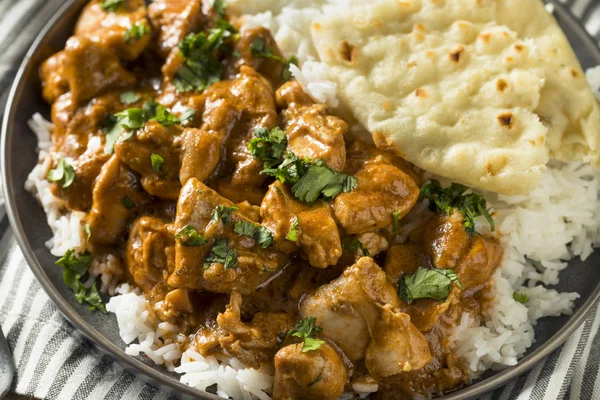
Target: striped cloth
[[54, 361]]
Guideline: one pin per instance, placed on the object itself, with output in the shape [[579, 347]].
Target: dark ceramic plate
[[29, 223]]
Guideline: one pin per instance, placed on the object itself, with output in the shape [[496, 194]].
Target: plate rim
[[156, 377]]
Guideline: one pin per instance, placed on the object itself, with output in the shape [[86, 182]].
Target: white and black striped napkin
[[54, 361]]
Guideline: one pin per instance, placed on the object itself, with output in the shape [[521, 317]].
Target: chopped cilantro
[[87, 230], [306, 330], [354, 245], [63, 172], [111, 5], [259, 233], [259, 48], [294, 228], [129, 97], [157, 163], [446, 200], [201, 51], [427, 284], [128, 203], [223, 213], [219, 7], [187, 115], [74, 268], [221, 253], [268, 145], [189, 236], [520, 297], [320, 181], [136, 32]]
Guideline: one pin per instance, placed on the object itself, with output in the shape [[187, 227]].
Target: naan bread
[[480, 91]]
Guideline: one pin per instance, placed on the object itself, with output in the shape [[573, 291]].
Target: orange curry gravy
[[153, 190]]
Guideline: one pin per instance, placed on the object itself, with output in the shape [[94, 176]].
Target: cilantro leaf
[[157, 163], [223, 213], [112, 5], [446, 200], [259, 233], [63, 172], [129, 97], [305, 330], [427, 283], [136, 32], [187, 115], [164, 116], [128, 203], [320, 181], [290, 170], [87, 230], [520, 297], [189, 236], [221, 253], [219, 7], [201, 51], [354, 245], [268, 145], [259, 48], [74, 268], [294, 229]]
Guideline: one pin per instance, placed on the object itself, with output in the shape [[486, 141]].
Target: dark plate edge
[[168, 383]]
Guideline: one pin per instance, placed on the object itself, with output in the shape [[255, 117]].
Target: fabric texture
[[53, 359]]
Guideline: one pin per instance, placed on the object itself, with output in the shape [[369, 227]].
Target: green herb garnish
[[395, 221], [294, 229], [74, 268], [129, 97], [259, 48], [202, 66], [189, 236], [223, 213], [259, 233], [520, 297], [354, 245], [221, 253], [112, 5], [128, 203], [187, 115], [268, 145], [136, 32], [427, 284], [446, 200], [87, 230], [219, 7], [306, 330], [63, 172], [157, 163]]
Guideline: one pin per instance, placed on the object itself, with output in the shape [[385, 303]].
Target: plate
[[31, 231]]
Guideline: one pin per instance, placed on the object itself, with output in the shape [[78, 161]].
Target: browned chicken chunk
[[113, 29], [174, 20], [317, 374]]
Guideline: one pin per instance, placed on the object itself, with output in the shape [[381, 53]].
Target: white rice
[[558, 222]]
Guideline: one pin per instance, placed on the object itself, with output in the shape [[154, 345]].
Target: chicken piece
[[137, 153], [150, 252], [479, 263], [108, 28], [78, 196], [317, 374], [383, 189], [110, 209], [53, 77], [446, 240], [311, 131], [319, 237], [174, 20], [254, 265], [373, 242], [255, 342], [358, 311], [396, 345], [90, 70], [268, 67], [254, 97]]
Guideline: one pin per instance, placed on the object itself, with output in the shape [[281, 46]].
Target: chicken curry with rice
[[249, 215]]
